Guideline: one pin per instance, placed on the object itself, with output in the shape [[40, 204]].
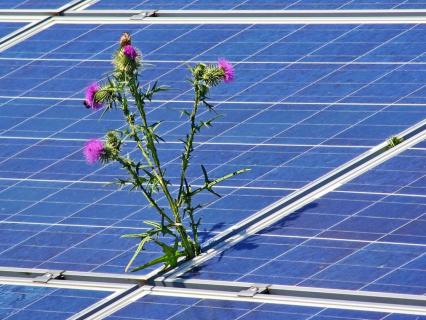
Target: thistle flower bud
[[125, 39], [198, 71], [105, 94], [127, 58], [113, 144], [213, 76]]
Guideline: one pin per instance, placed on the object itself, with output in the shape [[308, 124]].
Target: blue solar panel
[[28, 302], [402, 174], [9, 27], [260, 4], [178, 308], [372, 239], [288, 119], [32, 4]]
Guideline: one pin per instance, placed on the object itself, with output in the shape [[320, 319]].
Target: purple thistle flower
[[227, 68], [130, 51], [89, 100], [93, 150]]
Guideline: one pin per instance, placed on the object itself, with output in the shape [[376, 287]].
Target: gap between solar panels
[[56, 279], [73, 13], [121, 286], [22, 33], [246, 17], [38, 18], [127, 289], [279, 295], [75, 4], [335, 299], [82, 11]]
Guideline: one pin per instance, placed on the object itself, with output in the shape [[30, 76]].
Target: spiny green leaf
[[137, 251], [206, 177], [152, 224], [153, 262], [210, 189], [134, 235], [185, 113]]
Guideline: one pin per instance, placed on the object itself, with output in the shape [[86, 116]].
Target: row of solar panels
[[37, 303], [307, 98], [287, 144], [289, 121], [222, 4]]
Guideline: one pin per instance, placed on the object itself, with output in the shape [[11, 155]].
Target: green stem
[[189, 142], [156, 165], [128, 166]]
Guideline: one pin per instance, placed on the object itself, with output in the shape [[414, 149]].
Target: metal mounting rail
[[285, 295], [230, 17], [70, 278], [262, 14], [103, 304], [417, 302], [302, 197], [121, 285], [70, 15], [25, 13], [285, 18], [129, 14], [71, 5], [114, 306], [128, 289], [84, 5], [22, 33], [265, 13], [40, 12], [403, 13], [40, 18], [338, 299]]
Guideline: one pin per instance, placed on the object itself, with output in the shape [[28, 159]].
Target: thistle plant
[[176, 231]]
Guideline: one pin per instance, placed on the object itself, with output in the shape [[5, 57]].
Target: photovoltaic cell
[[176, 308], [300, 107], [259, 4], [9, 27], [19, 302], [368, 238]]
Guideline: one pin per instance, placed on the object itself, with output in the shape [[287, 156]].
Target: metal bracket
[[45, 278], [253, 290], [144, 15]]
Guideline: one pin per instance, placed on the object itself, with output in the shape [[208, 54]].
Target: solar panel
[[9, 27], [176, 308], [36, 302], [260, 4], [33, 4], [307, 99], [366, 235], [301, 106]]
